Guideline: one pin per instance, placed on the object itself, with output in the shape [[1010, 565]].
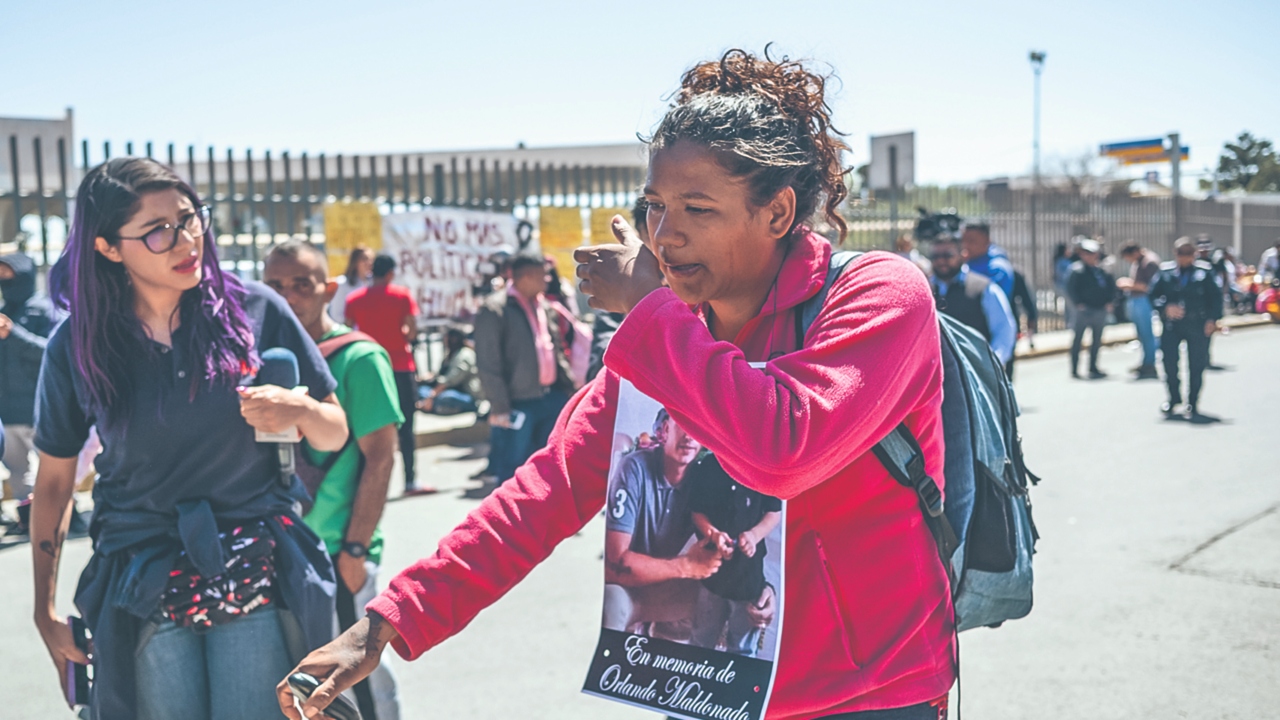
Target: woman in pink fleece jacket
[[738, 166]]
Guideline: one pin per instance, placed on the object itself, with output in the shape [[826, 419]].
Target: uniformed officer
[[1189, 300]]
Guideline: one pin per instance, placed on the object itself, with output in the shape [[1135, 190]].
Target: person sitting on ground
[[456, 388], [349, 487], [971, 298], [738, 520], [1091, 290]]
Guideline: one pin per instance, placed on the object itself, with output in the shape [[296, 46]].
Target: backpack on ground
[[985, 534]]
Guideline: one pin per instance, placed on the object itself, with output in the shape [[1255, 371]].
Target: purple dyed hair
[[99, 298]]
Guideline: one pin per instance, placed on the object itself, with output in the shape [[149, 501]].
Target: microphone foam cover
[[279, 367]]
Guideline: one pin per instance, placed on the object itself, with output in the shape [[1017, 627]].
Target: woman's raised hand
[[617, 277]]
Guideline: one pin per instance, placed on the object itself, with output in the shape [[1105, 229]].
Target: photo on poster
[[693, 576]]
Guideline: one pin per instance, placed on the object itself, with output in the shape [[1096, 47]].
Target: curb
[[1237, 322], [479, 432]]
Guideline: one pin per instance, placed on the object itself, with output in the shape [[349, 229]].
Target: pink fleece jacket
[[867, 620]]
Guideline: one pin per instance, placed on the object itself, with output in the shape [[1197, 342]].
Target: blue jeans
[[1140, 313], [515, 446], [228, 673], [453, 402]]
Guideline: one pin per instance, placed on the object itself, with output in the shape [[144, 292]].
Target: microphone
[[280, 367]]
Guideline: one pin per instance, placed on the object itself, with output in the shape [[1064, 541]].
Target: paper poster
[[693, 576], [560, 233], [443, 255], [348, 224], [602, 224]]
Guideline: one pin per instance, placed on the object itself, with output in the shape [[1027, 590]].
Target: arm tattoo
[[50, 547], [619, 567]]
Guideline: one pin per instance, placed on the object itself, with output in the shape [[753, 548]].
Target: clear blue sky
[[386, 76]]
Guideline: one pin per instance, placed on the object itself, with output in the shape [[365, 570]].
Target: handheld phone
[[517, 419], [303, 685], [78, 681]]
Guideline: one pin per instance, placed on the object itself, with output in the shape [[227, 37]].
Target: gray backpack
[[984, 533]]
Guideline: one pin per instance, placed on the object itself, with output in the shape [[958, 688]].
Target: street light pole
[[1037, 64]]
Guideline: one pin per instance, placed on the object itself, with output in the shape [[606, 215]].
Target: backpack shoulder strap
[[899, 452], [901, 455], [808, 311], [330, 347]]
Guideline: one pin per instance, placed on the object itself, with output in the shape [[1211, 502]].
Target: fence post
[[288, 194], [471, 191], [453, 180], [231, 198], [422, 181], [62, 182], [17, 193], [212, 196], [1175, 183], [253, 211], [40, 202], [306, 195], [269, 197], [437, 180]]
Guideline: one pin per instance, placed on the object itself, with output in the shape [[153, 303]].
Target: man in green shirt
[[350, 498]]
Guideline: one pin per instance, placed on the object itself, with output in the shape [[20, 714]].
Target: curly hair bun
[[772, 121]]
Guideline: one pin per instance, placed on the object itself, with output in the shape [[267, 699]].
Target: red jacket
[[867, 623]]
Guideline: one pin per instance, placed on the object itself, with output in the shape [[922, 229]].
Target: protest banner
[[694, 649], [347, 225], [560, 233], [443, 254], [602, 223]]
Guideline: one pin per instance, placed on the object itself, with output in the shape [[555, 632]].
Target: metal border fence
[[256, 200]]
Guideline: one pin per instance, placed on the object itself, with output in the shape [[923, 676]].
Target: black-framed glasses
[[163, 238]]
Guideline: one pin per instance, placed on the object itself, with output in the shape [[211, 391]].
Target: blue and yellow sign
[[1136, 152]]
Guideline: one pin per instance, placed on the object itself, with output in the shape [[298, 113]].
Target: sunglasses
[[163, 238]]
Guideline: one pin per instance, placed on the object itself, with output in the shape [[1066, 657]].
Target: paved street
[[1158, 573]]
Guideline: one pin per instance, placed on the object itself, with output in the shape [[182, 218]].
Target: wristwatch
[[355, 549]]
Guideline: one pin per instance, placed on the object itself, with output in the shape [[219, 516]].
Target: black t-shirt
[[733, 508], [168, 447]]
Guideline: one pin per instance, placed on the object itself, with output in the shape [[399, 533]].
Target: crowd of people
[[975, 282], [216, 563]]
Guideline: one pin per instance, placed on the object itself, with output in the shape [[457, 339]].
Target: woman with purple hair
[[204, 585]]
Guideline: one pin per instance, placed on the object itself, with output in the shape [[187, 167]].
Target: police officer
[[1189, 300]]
